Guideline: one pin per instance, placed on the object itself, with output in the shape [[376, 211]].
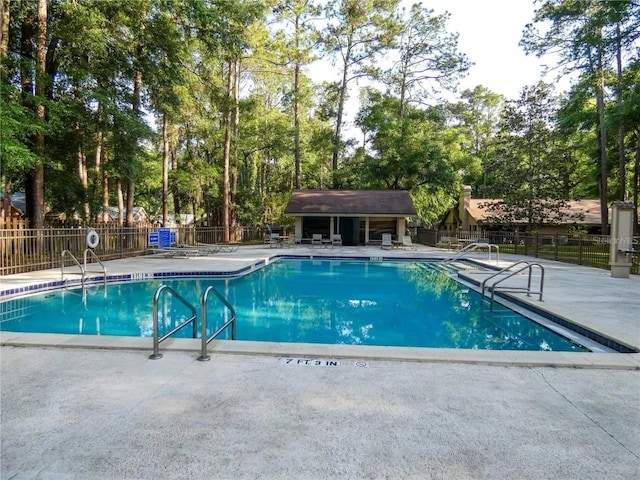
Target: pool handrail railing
[[192, 319], [83, 268], [75, 260], [474, 246], [104, 269], [232, 321], [524, 265]]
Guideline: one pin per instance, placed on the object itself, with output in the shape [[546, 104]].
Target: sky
[[489, 33]]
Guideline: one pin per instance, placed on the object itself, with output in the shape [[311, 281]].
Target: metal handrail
[[75, 260], [104, 269], [205, 296], [472, 247], [526, 266], [156, 340]]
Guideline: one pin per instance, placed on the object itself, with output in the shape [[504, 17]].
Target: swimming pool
[[413, 304]]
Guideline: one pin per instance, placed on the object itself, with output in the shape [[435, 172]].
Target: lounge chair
[[316, 239], [407, 243], [180, 251], [386, 241], [219, 247], [336, 240]]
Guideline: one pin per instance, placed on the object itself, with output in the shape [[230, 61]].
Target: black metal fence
[[28, 249], [588, 250], [24, 249]]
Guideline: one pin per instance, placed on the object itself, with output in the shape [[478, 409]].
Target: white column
[[366, 230], [400, 227], [298, 228]]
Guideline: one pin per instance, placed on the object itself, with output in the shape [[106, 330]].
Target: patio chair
[[291, 241], [407, 243], [386, 241], [336, 240], [316, 239]]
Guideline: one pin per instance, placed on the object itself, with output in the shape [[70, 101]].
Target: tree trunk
[[97, 168], [296, 107], [234, 167], [131, 183], [602, 141], [636, 184], [6, 204], [81, 158], [165, 169], [41, 57], [622, 177], [84, 182], [228, 119], [121, 207], [175, 192], [105, 184], [338, 129], [130, 195], [27, 31], [4, 33]]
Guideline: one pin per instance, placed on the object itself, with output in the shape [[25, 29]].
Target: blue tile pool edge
[[10, 293]]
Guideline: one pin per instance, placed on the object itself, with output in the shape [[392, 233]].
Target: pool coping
[[627, 360], [514, 358]]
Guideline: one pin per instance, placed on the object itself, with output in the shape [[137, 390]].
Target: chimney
[[465, 204]]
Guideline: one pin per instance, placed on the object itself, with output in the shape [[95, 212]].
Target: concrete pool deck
[[111, 413]]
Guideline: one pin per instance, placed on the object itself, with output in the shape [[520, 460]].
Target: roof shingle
[[350, 202]]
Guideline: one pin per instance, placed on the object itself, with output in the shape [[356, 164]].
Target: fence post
[[556, 239], [580, 239], [51, 248]]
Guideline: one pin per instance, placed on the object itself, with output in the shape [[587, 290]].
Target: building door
[[350, 230]]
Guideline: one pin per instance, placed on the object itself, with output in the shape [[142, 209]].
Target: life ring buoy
[[92, 238]]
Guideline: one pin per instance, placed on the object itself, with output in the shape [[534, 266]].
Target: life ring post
[[92, 238]]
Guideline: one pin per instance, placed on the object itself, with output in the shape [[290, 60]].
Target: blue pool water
[[330, 301]]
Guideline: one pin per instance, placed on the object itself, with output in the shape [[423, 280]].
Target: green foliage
[[529, 167], [16, 126], [428, 58], [406, 152], [117, 68]]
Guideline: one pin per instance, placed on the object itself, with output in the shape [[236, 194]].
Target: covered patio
[[359, 216]]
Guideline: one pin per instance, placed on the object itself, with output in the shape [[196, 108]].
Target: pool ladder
[[523, 265], [83, 268], [472, 247], [191, 320]]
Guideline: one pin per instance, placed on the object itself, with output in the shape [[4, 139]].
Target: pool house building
[[359, 216]]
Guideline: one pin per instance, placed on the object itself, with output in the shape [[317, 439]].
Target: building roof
[[139, 214], [583, 212], [18, 201], [350, 203]]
